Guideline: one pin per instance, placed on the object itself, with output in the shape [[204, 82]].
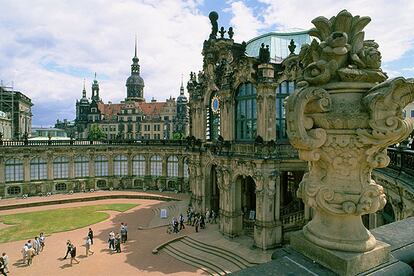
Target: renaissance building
[[132, 118]]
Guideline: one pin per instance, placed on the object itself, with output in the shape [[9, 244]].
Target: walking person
[[73, 254], [90, 235], [5, 262], [126, 231], [123, 233], [24, 253], [42, 240], [68, 248], [196, 223], [30, 255], [181, 219], [36, 245], [2, 267], [111, 240], [207, 216], [88, 245], [118, 243]]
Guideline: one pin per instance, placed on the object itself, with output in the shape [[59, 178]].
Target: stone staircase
[[211, 259]]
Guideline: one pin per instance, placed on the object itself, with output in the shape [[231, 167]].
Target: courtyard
[[136, 256]]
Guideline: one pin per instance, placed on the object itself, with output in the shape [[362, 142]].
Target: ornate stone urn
[[341, 118]]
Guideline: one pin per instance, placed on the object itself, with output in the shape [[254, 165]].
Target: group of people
[[31, 249], [196, 219], [71, 248], [115, 240]]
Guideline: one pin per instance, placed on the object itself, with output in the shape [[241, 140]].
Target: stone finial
[[222, 32], [214, 26], [230, 32], [292, 47], [342, 121]]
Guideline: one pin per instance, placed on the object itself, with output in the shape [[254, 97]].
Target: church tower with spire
[[181, 124], [95, 90], [82, 106], [135, 84]]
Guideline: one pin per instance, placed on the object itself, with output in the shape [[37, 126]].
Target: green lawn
[[29, 225]]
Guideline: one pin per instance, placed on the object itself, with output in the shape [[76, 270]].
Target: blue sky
[[49, 47]]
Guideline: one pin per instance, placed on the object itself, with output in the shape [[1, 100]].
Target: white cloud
[[246, 25], [392, 24], [88, 36]]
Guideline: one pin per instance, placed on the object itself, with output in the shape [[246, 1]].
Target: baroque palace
[[133, 118], [237, 159]]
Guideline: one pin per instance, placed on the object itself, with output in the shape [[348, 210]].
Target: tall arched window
[[81, 166], [186, 168], [138, 165], [282, 91], [156, 165], [38, 169], [246, 112], [213, 117], [172, 166], [120, 165], [13, 170], [101, 165], [60, 167]]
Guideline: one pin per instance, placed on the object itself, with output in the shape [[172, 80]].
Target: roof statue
[[231, 32], [264, 54], [222, 32], [214, 26]]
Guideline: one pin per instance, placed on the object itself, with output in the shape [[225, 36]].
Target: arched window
[[186, 168], [101, 165], [61, 167], [14, 190], [282, 91], [38, 169], [172, 166], [120, 165], [13, 170], [156, 165], [213, 117], [138, 165], [81, 166], [246, 112]]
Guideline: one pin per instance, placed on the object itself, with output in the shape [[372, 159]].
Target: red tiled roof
[[109, 110], [152, 108]]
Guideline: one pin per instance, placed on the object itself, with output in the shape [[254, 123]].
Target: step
[[194, 261], [229, 256], [224, 265], [241, 259]]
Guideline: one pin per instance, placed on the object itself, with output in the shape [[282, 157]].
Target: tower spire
[[84, 89], [135, 45], [182, 86]]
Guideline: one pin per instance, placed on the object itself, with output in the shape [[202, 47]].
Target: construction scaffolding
[[7, 102]]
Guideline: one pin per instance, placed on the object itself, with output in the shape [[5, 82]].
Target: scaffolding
[[7, 102]]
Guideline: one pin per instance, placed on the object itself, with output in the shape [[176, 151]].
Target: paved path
[[136, 258]]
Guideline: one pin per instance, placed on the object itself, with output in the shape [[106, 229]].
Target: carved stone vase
[[341, 118]]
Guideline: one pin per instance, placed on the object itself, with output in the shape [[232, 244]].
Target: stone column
[[129, 156], [50, 166], [266, 103], [227, 115], [110, 165], [2, 166], [71, 166], [92, 165], [26, 168]]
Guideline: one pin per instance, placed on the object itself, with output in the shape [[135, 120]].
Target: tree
[[178, 135], [96, 133]]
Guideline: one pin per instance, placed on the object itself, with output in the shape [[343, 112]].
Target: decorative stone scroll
[[342, 121]]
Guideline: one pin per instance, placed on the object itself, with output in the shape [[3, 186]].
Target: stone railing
[[293, 219], [33, 143], [401, 160]]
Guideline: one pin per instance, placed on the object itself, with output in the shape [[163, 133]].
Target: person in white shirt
[[88, 245]]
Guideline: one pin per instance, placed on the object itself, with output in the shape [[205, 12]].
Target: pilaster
[[266, 103]]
